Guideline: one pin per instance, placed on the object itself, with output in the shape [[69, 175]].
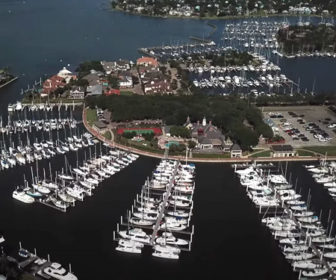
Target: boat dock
[[32, 264], [299, 231], [163, 198], [164, 204]]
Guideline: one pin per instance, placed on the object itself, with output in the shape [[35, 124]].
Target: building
[[94, 77], [157, 87], [208, 136], [94, 90], [112, 92], [125, 80], [77, 93], [147, 61], [51, 84], [113, 66], [282, 151], [66, 75], [236, 151], [100, 127]]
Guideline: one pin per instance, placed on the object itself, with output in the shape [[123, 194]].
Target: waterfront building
[[119, 65], [147, 61], [51, 84], [236, 151], [208, 136], [66, 75], [282, 151]]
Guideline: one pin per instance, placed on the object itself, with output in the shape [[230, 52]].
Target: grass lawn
[[108, 135], [91, 116], [262, 154], [197, 155], [330, 150], [303, 153]]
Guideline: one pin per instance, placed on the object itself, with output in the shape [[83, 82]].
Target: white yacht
[[169, 238], [136, 234], [128, 247], [55, 270], [166, 255], [22, 196]]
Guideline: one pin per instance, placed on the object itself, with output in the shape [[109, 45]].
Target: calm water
[[37, 38]]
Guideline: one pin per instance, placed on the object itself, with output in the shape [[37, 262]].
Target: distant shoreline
[[220, 18], [10, 81]]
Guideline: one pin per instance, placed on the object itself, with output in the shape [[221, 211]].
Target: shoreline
[[197, 160], [7, 83], [220, 18]]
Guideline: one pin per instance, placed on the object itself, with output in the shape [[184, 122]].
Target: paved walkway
[[182, 158]]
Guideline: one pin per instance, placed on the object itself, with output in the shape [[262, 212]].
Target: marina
[[164, 207], [324, 174], [72, 184], [303, 239], [229, 237]]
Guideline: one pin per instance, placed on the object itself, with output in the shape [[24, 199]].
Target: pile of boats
[[25, 154], [79, 182], [161, 212], [304, 242], [324, 174]]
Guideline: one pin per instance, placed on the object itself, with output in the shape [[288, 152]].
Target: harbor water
[[38, 38]]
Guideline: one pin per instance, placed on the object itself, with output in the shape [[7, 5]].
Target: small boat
[[22, 196], [55, 270]]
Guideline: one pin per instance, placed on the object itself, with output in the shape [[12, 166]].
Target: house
[[119, 65], [208, 136], [125, 80], [94, 77], [282, 151], [227, 145], [77, 93], [109, 66], [123, 65], [51, 84], [236, 151], [147, 61], [157, 87], [66, 75], [94, 90]]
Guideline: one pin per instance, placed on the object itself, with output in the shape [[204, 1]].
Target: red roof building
[[53, 83], [147, 61], [112, 92]]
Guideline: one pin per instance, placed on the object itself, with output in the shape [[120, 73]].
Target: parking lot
[[303, 125]]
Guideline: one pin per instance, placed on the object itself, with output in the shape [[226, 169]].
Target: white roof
[[64, 73]]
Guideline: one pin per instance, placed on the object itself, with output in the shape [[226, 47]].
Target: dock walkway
[[164, 204]]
